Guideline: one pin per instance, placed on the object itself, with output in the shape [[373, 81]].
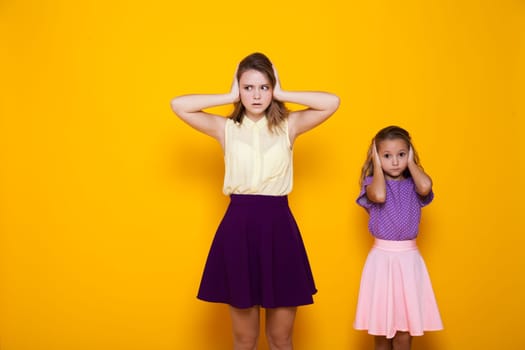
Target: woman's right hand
[[234, 91]]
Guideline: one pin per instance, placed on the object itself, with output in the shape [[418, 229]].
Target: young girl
[[257, 258], [396, 300]]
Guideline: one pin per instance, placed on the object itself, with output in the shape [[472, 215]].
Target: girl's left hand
[[411, 155]]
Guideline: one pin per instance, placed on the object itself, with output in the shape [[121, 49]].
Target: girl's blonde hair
[[277, 112], [389, 133]]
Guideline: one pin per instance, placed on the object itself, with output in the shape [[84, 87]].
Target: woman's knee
[[245, 324], [245, 340], [279, 339], [279, 327]]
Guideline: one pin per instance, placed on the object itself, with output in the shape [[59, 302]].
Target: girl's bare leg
[[402, 341], [382, 343]]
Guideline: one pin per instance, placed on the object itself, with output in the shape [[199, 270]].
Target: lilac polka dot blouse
[[398, 218]]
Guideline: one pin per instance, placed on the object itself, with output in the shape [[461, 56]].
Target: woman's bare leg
[[245, 324], [279, 327]]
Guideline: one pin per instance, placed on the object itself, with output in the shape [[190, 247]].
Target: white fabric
[[257, 160]]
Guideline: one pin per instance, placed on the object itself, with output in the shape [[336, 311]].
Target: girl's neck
[[398, 178]]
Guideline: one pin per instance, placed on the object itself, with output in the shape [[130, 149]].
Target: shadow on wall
[[312, 158], [363, 341], [429, 341], [199, 161], [216, 327], [304, 330]]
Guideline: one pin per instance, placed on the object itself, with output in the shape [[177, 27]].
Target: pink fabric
[[396, 293]]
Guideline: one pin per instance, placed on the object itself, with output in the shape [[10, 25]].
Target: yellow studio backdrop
[[108, 202]]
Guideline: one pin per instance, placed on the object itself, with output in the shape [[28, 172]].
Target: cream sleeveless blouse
[[257, 161]]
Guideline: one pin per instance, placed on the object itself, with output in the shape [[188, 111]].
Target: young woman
[[257, 258]]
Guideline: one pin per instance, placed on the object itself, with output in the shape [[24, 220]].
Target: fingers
[[411, 154], [235, 80], [375, 154], [277, 88], [277, 81], [234, 91]]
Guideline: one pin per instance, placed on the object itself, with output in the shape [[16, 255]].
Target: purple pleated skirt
[[258, 257]]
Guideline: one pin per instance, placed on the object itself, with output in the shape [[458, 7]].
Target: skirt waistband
[[258, 199], [395, 246]]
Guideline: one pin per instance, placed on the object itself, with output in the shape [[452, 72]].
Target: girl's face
[[256, 93], [394, 158]]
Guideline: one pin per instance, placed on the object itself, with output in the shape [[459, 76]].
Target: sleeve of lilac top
[[363, 200], [426, 200]]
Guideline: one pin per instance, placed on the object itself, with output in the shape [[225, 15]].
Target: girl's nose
[[395, 160]]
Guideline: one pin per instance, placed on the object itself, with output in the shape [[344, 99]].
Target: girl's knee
[[402, 341]]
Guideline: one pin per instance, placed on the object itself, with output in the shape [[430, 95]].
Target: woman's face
[[256, 93]]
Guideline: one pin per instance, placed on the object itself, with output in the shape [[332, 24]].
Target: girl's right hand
[[375, 156], [376, 191], [234, 91]]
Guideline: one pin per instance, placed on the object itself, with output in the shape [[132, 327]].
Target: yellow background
[[108, 202]]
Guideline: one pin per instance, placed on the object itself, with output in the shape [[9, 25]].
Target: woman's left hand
[[277, 88]]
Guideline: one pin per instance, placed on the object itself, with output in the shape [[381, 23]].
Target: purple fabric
[[258, 257], [398, 218]]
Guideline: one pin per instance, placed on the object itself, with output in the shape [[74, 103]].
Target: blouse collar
[[263, 122]]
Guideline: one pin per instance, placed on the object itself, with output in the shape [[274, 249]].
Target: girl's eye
[[265, 87], [402, 154], [248, 88], [387, 156]]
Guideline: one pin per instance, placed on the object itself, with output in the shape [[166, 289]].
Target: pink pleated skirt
[[396, 293]]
